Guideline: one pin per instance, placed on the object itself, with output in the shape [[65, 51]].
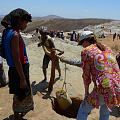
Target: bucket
[[63, 99]]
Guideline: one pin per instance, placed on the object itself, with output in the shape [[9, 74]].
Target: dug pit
[[71, 111]]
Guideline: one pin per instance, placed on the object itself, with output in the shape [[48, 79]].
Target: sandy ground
[[43, 107]]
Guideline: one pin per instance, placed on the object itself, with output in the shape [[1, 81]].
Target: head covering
[[43, 29], [9, 20], [84, 35]]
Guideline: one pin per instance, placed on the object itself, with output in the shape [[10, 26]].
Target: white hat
[[85, 35]]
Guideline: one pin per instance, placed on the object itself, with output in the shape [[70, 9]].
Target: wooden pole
[[52, 71]]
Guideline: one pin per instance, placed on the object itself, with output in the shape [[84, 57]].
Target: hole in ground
[[71, 111]]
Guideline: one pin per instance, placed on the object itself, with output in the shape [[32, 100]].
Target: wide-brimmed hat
[[84, 35]]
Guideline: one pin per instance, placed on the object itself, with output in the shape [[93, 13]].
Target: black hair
[[93, 40], [11, 20]]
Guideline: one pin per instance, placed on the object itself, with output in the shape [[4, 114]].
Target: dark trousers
[[14, 82]]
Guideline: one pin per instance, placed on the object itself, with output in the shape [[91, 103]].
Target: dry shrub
[[71, 111]]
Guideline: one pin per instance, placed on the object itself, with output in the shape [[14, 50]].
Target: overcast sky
[[109, 9]]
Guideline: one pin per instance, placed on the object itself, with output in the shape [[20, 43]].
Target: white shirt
[[74, 37]]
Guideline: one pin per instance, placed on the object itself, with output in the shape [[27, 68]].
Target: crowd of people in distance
[[72, 36]]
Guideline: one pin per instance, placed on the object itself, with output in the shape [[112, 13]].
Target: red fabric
[[21, 46], [21, 50], [25, 59]]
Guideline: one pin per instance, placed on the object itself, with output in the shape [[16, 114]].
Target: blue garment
[[7, 35], [25, 52], [86, 108]]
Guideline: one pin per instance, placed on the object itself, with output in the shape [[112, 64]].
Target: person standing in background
[[114, 36], [47, 43], [73, 36]]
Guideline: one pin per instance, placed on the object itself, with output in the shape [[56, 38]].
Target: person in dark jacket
[[73, 36]]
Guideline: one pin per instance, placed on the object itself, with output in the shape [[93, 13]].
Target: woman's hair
[[11, 20], [93, 40], [15, 23]]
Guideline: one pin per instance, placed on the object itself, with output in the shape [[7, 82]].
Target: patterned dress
[[101, 67]]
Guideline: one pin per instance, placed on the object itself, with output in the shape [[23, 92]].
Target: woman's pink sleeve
[[86, 68]]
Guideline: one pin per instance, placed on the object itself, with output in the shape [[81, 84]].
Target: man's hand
[[39, 44], [23, 83], [60, 53]]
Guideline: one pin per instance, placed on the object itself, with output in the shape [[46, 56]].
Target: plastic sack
[[63, 99]]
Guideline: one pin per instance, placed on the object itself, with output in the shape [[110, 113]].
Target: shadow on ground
[[115, 112], [42, 87], [12, 118]]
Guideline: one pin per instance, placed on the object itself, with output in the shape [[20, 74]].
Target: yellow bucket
[[63, 99]]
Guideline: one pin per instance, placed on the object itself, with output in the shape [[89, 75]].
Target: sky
[[77, 9]]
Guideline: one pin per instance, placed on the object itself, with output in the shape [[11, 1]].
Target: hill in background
[[57, 23], [65, 25]]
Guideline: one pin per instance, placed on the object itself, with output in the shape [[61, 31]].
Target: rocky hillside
[[63, 24]]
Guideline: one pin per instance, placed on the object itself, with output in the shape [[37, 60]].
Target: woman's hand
[[61, 58]]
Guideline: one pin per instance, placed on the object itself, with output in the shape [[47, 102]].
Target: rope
[[64, 83]]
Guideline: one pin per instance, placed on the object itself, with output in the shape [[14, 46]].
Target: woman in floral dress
[[100, 66]]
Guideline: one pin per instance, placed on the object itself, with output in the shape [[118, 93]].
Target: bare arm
[[58, 50], [46, 51], [86, 89], [70, 61], [16, 58], [50, 40], [51, 47]]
